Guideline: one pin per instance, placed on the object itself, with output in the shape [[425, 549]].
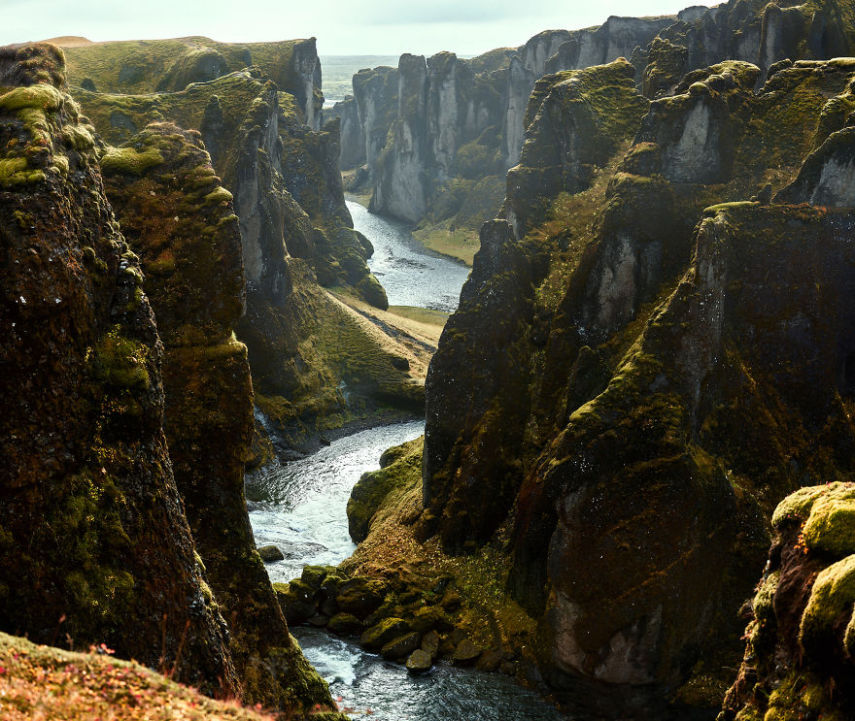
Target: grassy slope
[[41, 682]]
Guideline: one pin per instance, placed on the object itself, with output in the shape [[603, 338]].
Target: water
[[301, 506], [364, 682], [410, 273]]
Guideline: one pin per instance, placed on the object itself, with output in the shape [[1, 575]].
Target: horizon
[[341, 29]]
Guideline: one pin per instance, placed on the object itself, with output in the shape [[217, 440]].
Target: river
[[410, 273], [300, 507]]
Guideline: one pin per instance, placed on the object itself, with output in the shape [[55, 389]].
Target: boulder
[[419, 662], [270, 554]]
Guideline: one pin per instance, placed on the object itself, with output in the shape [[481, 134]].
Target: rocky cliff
[[295, 239], [95, 541], [452, 128], [181, 221], [647, 357], [107, 546]]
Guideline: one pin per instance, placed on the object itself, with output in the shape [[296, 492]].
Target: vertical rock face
[[352, 140], [622, 398], [376, 95], [577, 121], [401, 182], [181, 221], [757, 32], [799, 642], [95, 541], [296, 237]]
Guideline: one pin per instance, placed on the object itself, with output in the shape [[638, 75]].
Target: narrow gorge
[[512, 385]]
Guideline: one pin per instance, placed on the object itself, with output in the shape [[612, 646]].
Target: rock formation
[[95, 541], [798, 658], [632, 382], [295, 234], [146, 66], [436, 135], [181, 221]]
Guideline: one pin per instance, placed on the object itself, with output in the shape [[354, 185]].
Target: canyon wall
[[124, 417], [95, 541], [437, 135], [648, 356], [296, 241]]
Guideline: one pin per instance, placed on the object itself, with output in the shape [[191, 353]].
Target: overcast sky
[[372, 27]]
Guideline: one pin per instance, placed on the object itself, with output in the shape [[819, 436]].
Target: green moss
[[122, 361], [796, 506], [830, 527], [402, 466], [42, 96], [220, 195], [833, 595], [130, 161]]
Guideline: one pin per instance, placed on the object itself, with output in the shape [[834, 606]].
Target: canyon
[[643, 395]]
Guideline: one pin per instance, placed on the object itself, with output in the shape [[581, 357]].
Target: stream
[[301, 508]]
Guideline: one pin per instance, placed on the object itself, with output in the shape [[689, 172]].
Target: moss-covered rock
[[798, 659], [95, 543], [398, 467], [622, 363], [146, 66], [295, 232], [384, 632], [181, 221]]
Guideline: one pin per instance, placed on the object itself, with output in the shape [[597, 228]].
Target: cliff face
[[95, 541], [622, 398], [146, 66], [798, 658], [181, 221], [757, 32]]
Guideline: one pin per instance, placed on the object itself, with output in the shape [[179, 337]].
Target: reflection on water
[[410, 273]]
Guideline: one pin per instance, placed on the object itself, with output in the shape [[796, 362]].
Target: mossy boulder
[[345, 624], [383, 632], [799, 639], [400, 648], [360, 596], [270, 554], [419, 662]]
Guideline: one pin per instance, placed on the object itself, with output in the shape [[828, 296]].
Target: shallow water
[[410, 273], [364, 682]]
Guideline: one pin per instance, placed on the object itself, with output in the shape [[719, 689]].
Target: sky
[[356, 27]]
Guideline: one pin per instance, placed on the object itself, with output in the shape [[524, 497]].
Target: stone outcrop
[[798, 656], [180, 220], [146, 66], [95, 541], [624, 396], [762, 33]]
